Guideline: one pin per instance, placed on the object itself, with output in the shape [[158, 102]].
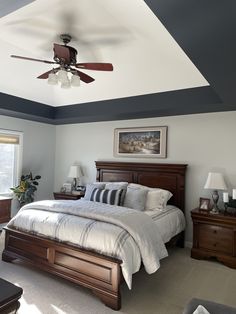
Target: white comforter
[[121, 232]]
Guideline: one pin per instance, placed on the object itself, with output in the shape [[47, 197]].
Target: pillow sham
[[90, 187], [117, 186], [135, 198], [156, 197], [111, 197]]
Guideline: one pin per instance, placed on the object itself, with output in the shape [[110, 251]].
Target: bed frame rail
[[91, 270]]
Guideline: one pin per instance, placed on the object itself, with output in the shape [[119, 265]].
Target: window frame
[[18, 153]]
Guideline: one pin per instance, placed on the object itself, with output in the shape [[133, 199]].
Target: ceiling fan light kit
[[65, 57], [63, 78]]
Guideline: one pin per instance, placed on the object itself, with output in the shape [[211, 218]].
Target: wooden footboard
[[99, 273]]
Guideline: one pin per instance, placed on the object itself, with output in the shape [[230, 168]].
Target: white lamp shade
[[215, 181], [75, 172]]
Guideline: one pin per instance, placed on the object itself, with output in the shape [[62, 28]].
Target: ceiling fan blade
[[46, 74], [32, 59], [84, 77], [63, 52], [95, 66]]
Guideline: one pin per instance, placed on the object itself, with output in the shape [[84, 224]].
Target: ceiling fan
[[65, 57]]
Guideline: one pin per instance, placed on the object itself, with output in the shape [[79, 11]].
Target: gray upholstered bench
[[211, 307]]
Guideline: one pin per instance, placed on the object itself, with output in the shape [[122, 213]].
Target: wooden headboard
[[170, 177]]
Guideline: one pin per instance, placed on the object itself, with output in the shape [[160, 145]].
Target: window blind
[[9, 138]]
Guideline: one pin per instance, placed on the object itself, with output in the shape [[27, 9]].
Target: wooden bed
[[97, 272]]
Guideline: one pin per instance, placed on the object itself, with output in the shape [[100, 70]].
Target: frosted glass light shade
[[62, 76], [75, 172], [215, 181], [52, 79], [75, 80], [66, 84]]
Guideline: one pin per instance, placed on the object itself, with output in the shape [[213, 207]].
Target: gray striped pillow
[[111, 197]]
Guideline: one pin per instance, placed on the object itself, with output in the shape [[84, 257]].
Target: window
[[10, 159]]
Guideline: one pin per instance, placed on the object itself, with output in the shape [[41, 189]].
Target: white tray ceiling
[[145, 57]]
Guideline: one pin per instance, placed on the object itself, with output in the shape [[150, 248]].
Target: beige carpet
[[166, 292]]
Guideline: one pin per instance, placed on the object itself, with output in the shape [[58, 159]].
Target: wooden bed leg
[[6, 257], [112, 301]]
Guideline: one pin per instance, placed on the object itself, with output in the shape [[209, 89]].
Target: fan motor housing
[[72, 60]]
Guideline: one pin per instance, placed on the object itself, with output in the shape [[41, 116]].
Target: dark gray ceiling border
[[25, 109], [7, 6], [205, 30], [186, 101]]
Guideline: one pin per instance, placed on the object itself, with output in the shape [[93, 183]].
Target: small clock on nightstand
[[67, 196]]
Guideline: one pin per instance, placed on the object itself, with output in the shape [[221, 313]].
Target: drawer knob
[[215, 231], [215, 244]]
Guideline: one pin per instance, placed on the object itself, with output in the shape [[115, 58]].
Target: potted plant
[[26, 189]]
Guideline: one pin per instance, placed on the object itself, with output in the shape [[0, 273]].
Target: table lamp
[[215, 182], [75, 173]]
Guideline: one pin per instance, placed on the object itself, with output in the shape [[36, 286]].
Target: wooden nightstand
[[67, 196], [5, 209], [214, 235]]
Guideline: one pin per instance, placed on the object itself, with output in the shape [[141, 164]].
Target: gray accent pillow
[[90, 187], [118, 186], [135, 198]]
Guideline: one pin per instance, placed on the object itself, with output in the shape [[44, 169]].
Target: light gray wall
[[205, 142], [38, 152]]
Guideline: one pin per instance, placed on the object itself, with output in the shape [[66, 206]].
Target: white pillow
[[135, 198], [201, 310], [156, 198]]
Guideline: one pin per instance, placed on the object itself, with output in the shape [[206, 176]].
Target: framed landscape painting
[[141, 142]]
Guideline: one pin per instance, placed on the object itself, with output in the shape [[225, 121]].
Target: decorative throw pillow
[[117, 186], [111, 197], [135, 198], [90, 187]]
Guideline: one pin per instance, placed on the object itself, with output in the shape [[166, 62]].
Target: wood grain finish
[[5, 209], [102, 274], [214, 235], [66, 196]]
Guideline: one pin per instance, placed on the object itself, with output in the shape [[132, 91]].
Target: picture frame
[[141, 142], [67, 187], [204, 203]]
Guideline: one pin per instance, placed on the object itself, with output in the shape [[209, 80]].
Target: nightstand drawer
[[215, 238]]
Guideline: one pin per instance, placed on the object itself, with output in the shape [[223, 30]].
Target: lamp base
[[215, 198]]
